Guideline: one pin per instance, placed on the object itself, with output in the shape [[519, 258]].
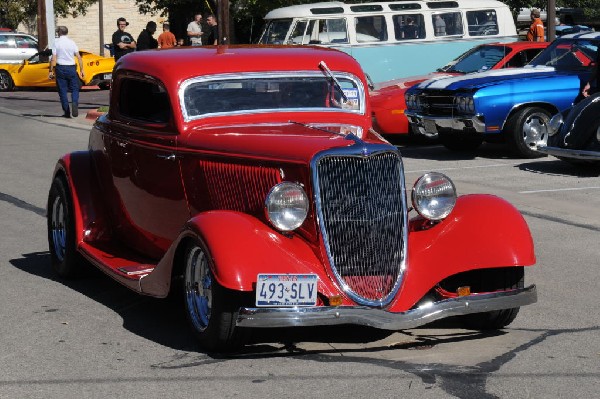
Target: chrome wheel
[[535, 130], [58, 229], [198, 288], [6, 82]]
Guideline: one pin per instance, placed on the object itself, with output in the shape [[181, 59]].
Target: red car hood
[[284, 142], [393, 86]]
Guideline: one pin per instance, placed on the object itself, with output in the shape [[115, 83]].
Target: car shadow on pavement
[[438, 152], [163, 321], [556, 167]]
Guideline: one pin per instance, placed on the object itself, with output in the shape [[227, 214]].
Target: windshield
[[253, 92], [275, 31], [478, 59], [569, 54]]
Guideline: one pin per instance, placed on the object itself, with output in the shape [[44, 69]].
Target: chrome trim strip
[[382, 319], [449, 122], [570, 153], [361, 149]]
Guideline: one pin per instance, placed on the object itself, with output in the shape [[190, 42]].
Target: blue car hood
[[478, 80]]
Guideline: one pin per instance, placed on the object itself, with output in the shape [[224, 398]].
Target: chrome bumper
[[382, 319], [570, 153], [429, 125]]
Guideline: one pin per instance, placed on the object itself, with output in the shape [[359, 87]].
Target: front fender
[[88, 210], [241, 246], [483, 231]]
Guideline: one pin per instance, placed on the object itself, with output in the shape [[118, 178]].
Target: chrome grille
[[361, 210]]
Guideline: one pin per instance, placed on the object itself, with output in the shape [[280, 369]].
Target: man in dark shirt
[[145, 40], [213, 36], [122, 41]]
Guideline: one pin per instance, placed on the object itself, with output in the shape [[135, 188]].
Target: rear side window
[[6, 42], [482, 22], [371, 29], [144, 100], [409, 26], [25, 42], [447, 24]]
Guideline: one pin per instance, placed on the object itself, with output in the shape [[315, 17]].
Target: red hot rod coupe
[[249, 180]]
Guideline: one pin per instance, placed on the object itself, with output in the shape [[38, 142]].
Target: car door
[[147, 200]]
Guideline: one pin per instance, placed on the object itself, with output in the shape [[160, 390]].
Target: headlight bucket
[[555, 124], [434, 196], [464, 104], [286, 206]]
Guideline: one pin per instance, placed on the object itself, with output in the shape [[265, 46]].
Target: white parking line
[[560, 189]]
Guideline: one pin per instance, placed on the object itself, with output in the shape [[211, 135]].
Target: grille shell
[[362, 215]]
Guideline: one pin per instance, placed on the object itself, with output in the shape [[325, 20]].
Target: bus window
[[409, 26], [298, 33], [371, 29], [275, 31], [482, 22], [447, 24], [321, 31]]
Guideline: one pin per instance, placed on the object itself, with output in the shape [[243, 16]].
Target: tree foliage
[[14, 12]]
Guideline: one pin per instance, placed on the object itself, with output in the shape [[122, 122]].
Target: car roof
[[173, 66], [582, 35]]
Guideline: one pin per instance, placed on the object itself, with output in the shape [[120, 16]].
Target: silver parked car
[[16, 47]]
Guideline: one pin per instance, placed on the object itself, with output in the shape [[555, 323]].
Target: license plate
[[429, 126], [286, 290], [108, 76]]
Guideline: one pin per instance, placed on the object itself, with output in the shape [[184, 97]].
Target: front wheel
[[61, 230], [527, 129], [210, 308], [6, 82]]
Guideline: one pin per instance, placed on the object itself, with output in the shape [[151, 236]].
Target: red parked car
[[249, 181], [388, 98]]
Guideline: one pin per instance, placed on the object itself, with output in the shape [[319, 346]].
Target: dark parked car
[[574, 136]]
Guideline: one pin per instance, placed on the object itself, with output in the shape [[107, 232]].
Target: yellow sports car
[[33, 73]]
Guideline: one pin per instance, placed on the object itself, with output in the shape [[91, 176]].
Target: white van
[[393, 39]]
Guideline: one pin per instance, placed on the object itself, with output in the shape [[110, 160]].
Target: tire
[[496, 319], [455, 142], [6, 82], [66, 261], [211, 309], [525, 130]]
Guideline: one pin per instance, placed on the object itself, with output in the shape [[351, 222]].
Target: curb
[[94, 114]]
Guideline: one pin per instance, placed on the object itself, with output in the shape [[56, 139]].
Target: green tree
[[14, 12]]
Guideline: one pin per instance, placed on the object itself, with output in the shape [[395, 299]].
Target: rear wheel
[[6, 82], [527, 129], [61, 230], [210, 308]]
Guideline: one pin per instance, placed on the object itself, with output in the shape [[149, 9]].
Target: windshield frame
[[228, 77]]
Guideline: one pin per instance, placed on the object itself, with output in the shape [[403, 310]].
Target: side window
[[25, 42], [482, 22], [327, 31], [409, 26], [298, 34], [143, 100], [371, 29], [447, 24], [6, 41], [517, 61]]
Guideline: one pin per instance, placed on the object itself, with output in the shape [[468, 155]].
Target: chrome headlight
[[287, 206], [555, 124], [434, 196]]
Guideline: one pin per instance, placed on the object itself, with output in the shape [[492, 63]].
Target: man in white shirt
[[194, 30], [64, 69]]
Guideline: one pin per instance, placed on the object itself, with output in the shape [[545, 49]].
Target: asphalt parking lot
[[93, 338]]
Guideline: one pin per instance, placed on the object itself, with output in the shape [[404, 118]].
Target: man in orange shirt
[[536, 30], [166, 39]]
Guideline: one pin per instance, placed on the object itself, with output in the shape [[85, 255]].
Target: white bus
[[393, 39]]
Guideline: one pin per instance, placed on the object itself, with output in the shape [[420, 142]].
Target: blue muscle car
[[513, 105]]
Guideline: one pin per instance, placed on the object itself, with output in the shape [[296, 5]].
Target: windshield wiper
[[335, 82]]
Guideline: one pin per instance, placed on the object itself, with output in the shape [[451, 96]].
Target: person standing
[[536, 30], [213, 34], [439, 25], [146, 40], [166, 39], [194, 30], [122, 41], [63, 62]]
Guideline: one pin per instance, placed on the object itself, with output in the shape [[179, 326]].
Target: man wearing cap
[[122, 41], [536, 30]]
